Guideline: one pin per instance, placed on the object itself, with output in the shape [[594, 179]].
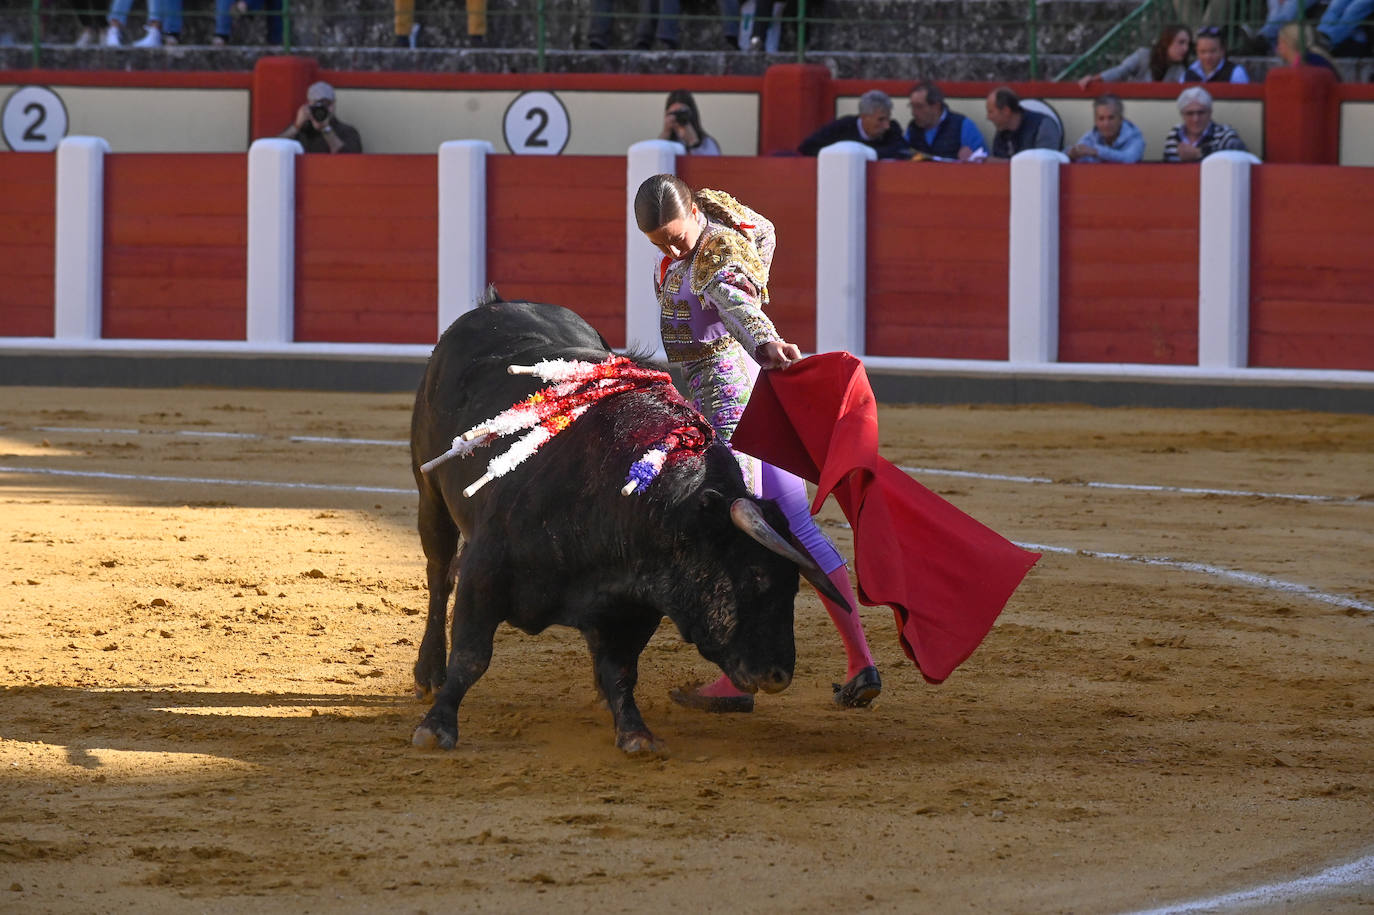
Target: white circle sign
[[536, 124], [34, 119]]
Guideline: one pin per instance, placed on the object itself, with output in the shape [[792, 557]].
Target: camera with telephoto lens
[[320, 111], [682, 115]]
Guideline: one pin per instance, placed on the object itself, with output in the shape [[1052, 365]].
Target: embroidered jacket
[[719, 294]]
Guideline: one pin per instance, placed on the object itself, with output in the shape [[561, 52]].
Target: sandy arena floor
[[207, 695]]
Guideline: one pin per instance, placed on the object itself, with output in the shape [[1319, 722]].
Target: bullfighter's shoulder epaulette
[[737, 246]]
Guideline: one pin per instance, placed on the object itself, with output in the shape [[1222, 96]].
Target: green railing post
[[540, 34], [801, 31], [286, 26], [35, 18], [1033, 23]]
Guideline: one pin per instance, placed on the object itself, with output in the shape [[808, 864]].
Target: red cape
[[945, 575]]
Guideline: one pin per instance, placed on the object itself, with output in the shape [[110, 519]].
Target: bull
[[557, 542]]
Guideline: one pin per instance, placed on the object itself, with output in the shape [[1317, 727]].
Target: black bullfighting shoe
[[688, 697], [860, 691]]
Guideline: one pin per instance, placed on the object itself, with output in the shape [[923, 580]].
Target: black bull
[[555, 542]]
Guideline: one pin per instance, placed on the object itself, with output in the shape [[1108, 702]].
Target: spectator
[[1293, 38], [1113, 138], [656, 17], [1163, 62], [317, 129], [1211, 65], [772, 39], [1019, 128], [937, 132], [92, 24], [1340, 20], [160, 13], [408, 30], [1198, 136], [226, 10], [872, 126], [682, 122]]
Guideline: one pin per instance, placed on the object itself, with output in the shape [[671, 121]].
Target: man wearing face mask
[[317, 129]]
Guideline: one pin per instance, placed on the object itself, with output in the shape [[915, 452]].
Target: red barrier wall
[[1311, 267], [937, 260], [175, 236], [367, 230], [556, 233], [28, 194], [784, 190], [1128, 264]]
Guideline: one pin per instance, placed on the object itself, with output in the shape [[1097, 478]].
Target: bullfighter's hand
[[777, 354]]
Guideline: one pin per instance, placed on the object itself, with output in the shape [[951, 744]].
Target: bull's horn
[[747, 517]]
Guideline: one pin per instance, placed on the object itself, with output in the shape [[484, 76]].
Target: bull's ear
[[709, 499]]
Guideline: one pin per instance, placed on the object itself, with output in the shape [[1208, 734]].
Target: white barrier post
[[79, 236], [1033, 274], [1223, 260], [462, 227], [643, 160], [271, 314], [841, 246]]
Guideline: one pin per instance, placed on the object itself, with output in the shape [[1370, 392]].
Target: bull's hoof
[[639, 743], [424, 692], [429, 736]]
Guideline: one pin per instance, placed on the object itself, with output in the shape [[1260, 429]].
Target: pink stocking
[[850, 627]]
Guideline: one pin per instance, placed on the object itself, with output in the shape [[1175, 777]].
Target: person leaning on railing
[[1018, 127], [1163, 62], [1113, 138], [872, 126], [1198, 136]]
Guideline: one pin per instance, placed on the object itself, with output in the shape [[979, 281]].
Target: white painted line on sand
[[326, 440], [1135, 487], [187, 433], [1355, 874], [914, 471], [1261, 581], [1249, 578], [192, 433], [208, 481]]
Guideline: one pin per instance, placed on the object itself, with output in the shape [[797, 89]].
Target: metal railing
[[1138, 29], [536, 21]]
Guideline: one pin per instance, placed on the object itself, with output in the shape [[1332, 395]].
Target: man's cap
[[319, 92]]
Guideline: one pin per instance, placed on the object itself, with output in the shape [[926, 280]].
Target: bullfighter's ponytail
[[660, 200]]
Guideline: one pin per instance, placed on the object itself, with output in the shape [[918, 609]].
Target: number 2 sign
[[536, 124], [34, 119]]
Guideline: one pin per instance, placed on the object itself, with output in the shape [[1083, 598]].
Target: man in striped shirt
[[1198, 136]]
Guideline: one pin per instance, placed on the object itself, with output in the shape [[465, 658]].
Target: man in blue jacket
[[936, 132]]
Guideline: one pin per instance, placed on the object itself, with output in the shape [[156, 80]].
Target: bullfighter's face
[[678, 238]]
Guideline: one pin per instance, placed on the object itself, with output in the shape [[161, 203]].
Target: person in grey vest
[[1019, 128]]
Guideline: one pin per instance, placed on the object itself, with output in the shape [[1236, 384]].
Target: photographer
[[317, 129], [682, 122]]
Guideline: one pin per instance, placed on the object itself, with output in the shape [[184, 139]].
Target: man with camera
[[317, 129]]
